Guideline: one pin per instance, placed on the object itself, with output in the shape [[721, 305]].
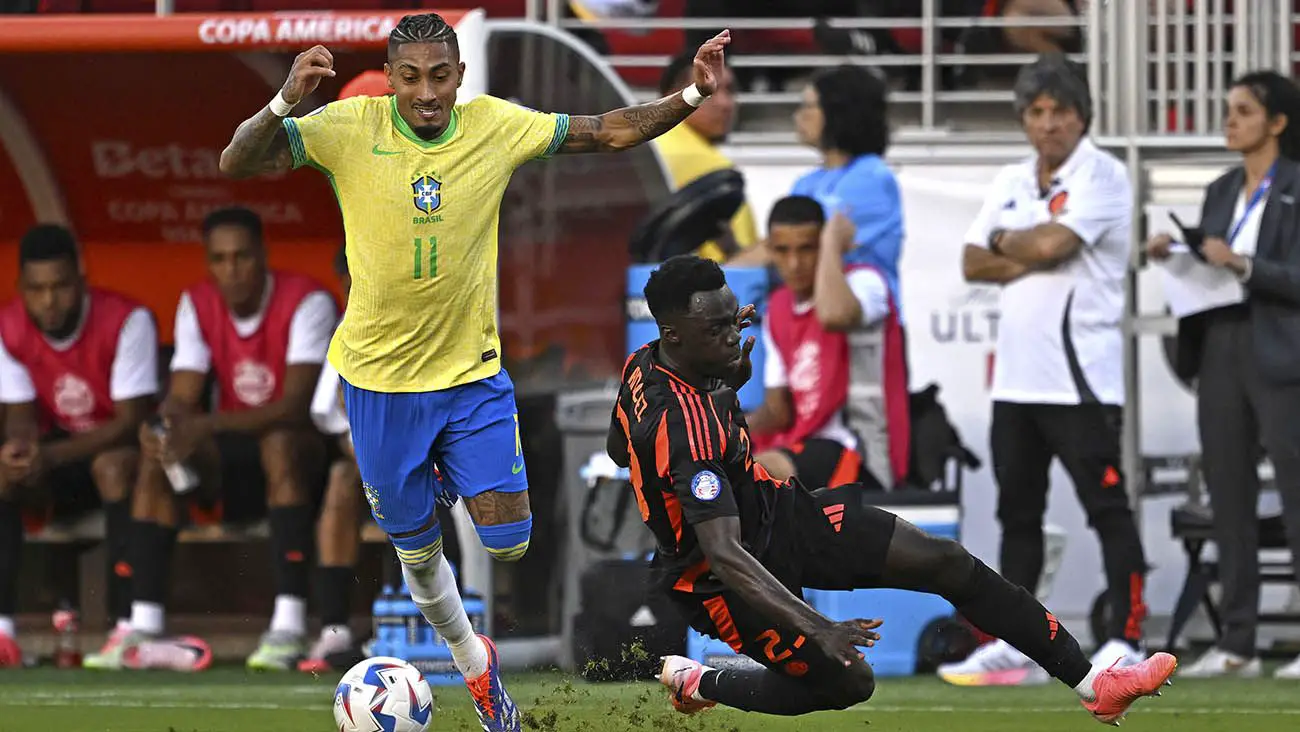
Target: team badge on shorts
[[372, 497], [705, 485]]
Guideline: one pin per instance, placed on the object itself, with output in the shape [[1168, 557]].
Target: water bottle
[[182, 477], [388, 627], [474, 608], [67, 654]]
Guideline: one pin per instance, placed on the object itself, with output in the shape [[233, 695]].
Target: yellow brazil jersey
[[420, 217], [689, 156]]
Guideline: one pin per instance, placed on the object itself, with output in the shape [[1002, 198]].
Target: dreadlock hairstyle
[[425, 28]]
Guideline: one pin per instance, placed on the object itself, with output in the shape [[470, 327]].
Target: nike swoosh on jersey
[[376, 151], [514, 469]]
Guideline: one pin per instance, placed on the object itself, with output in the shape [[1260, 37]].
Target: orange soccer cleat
[[1116, 688]]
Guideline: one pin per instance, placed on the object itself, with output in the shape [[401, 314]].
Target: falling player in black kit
[[735, 547]]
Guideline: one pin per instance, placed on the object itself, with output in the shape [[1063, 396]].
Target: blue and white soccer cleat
[[496, 710]]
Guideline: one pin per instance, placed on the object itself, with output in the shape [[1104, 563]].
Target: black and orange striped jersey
[[688, 450]]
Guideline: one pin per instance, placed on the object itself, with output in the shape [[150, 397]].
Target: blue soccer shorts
[[470, 431]]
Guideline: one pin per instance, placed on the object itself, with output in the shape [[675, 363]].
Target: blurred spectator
[[1244, 356], [1053, 232], [831, 40], [829, 331], [844, 115], [263, 335], [690, 150], [1022, 39], [603, 9], [78, 376], [594, 10]]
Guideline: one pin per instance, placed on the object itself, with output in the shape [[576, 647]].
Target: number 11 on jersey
[[419, 270]]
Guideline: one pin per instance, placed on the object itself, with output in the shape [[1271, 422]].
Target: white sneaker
[[1117, 653], [1218, 662], [333, 639], [994, 664], [1289, 671]]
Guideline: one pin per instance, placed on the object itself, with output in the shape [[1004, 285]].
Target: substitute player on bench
[[262, 334], [78, 375], [735, 547], [420, 181], [835, 395]]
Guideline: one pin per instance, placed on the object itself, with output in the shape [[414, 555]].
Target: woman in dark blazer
[[1246, 357]]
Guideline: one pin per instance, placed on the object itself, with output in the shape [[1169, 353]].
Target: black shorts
[[65, 493], [242, 494], [826, 463], [837, 542]]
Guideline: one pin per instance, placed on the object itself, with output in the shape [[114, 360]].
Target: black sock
[[151, 561], [11, 555], [117, 529], [334, 591], [290, 543], [1009, 612], [768, 692]]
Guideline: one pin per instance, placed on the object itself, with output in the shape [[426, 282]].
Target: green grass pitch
[[231, 700]]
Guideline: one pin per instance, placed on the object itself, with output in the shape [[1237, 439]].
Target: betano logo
[[171, 161]]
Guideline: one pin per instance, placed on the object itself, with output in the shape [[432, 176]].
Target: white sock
[[290, 615], [433, 590], [1084, 689], [7, 626], [147, 617]]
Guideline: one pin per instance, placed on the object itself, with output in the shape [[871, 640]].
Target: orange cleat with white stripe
[[1116, 688]]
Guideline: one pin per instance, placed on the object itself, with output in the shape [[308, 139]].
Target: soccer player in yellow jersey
[[419, 180]]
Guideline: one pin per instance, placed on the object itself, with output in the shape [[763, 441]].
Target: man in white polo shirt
[[1054, 233]]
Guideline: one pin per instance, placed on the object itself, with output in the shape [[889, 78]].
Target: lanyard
[[1255, 198]]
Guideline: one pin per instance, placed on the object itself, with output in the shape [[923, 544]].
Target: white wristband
[[692, 96], [279, 107]]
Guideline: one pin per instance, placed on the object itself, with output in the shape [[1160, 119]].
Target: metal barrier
[[1181, 56], [931, 110]]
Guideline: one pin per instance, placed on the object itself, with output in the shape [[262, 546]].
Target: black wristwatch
[[994, 237]]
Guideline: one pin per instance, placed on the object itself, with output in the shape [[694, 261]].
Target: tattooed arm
[[260, 144], [626, 128]]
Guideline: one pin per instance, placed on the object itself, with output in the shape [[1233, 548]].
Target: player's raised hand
[[709, 61], [743, 367], [745, 317], [308, 69], [841, 640]]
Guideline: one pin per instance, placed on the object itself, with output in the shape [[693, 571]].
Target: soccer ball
[[383, 694]]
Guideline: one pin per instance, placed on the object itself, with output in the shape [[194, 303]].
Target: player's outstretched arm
[[745, 576], [628, 127], [260, 144]]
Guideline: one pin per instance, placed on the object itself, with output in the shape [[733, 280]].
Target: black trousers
[[1237, 412], [1086, 439]]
